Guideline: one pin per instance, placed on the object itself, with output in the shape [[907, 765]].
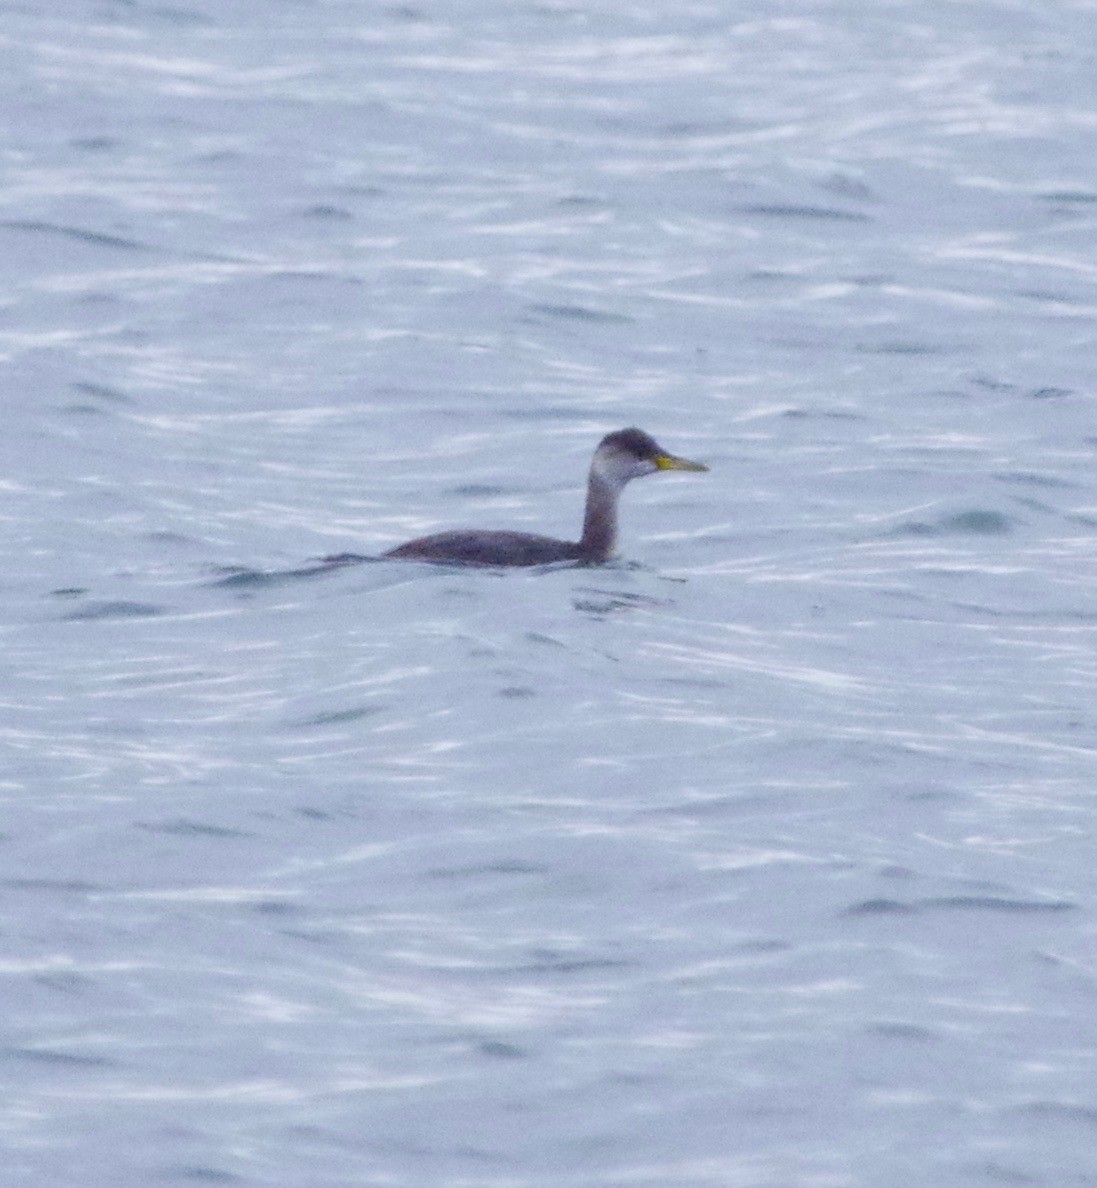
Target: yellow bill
[[670, 462]]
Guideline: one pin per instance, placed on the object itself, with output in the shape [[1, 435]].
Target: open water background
[[762, 858]]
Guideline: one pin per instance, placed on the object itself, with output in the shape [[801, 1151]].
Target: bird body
[[619, 458], [477, 547]]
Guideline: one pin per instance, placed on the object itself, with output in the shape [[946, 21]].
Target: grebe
[[619, 458]]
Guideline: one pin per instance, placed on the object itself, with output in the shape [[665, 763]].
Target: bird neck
[[599, 541]]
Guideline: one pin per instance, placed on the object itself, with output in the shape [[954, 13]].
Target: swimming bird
[[619, 458]]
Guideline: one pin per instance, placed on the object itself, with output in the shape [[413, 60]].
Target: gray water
[[761, 857]]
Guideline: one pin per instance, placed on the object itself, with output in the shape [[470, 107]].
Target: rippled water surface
[[763, 857]]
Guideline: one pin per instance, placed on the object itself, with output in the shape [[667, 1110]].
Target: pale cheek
[[616, 472]]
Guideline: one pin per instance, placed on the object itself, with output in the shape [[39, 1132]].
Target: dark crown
[[632, 441]]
